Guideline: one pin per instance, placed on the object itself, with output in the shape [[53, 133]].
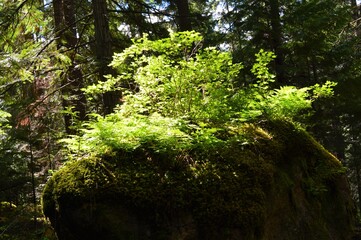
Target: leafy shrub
[[177, 95]]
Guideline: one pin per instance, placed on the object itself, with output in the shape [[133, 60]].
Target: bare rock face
[[280, 184]]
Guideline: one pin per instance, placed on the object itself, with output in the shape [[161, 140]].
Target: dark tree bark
[[102, 32], [276, 40], [355, 9], [183, 15], [58, 18], [104, 52], [356, 13], [72, 82], [358, 183], [136, 8]]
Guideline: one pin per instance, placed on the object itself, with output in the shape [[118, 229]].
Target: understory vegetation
[[187, 137], [177, 96]]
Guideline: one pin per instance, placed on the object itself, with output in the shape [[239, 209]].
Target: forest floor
[[23, 223]]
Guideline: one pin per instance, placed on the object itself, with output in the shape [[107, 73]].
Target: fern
[[178, 96]]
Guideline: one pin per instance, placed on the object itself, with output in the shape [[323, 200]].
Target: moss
[[235, 189], [305, 178], [75, 183]]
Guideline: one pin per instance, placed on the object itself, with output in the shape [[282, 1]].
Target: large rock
[[279, 184]]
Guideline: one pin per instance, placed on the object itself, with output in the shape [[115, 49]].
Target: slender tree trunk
[[355, 9], [356, 17], [183, 15], [104, 52], [102, 33], [33, 184], [58, 19], [276, 40], [358, 182], [137, 18], [72, 82], [355, 162]]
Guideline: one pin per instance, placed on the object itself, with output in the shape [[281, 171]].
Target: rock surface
[[281, 184]]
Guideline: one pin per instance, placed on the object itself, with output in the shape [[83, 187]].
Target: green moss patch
[[235, 189]]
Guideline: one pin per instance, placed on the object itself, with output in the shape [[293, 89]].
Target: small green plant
[[175, 78], [177, 96], [4, 116], [129, 133]]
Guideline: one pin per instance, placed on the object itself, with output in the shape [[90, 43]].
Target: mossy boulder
[[279, 184]]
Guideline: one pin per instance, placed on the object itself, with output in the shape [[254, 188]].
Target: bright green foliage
[[3, 121], [260, 68], [325, 90], [288, 101], [129, 133], [175, 78], [179, 96]]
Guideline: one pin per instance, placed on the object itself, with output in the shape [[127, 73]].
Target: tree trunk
[[355, 9], [58, 18], [136, 9], [33, 184], [356, 17], [358, 183], [183, 15], [104, 52], [72, 82], [276, 40]]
